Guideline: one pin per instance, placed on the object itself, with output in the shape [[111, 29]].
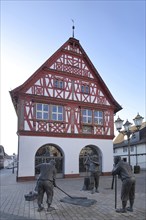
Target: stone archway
[[84, 152], [48, 152]]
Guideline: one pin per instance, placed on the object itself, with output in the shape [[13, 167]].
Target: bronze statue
[[124, 172], [92, 169], [45, 183]]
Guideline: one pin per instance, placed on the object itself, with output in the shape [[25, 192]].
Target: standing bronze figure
[[124, 171], [45, 183], [92, 167]]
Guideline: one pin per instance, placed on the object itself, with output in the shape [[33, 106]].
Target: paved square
[[13, 205]]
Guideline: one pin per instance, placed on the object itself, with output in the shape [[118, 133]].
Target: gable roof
[[119, 140], [49, 63]]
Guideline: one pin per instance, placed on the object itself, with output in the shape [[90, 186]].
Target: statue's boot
[[40, 208], [123, 209], [92, 191], [130, 209], [97, 191], [50, 208]]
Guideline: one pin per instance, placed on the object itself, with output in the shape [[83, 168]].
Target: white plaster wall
[[141, 159], [71, 148]]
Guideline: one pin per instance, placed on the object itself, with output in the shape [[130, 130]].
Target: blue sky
[[111, 32]]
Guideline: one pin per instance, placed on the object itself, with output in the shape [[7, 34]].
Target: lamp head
[[118, 124], [127, 125], [138, 121]]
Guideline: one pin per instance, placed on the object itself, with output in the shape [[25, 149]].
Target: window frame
[[42, 111], [125, 149], [98, 118], [86, 116], [58, 83], [57, 113], [84, 89]]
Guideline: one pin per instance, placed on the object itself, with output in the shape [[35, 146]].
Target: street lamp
[[127, 131]]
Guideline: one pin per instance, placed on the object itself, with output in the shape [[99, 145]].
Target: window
[[87, 116], [57, 113], [98, 117], [42, 111], [115, 151], [92, 117], [58, 83], [124, 149], [85, 89]]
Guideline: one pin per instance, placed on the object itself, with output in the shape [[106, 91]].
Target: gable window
[[58, 83], [85, 89], [87, 116], [57, 113], [98, 117], [42, 111]]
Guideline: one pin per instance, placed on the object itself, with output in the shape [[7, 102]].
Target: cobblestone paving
[[13, 205]]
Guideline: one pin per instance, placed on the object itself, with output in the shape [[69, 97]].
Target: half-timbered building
[[65, 111]]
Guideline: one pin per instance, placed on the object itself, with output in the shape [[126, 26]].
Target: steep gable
[[71, 65]]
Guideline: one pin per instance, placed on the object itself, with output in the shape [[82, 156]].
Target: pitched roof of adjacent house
[[119, 139], [48, 64]]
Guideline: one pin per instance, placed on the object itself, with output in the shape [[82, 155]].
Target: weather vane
[[73, 27]]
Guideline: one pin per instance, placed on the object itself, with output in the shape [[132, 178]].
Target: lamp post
[[127, 131]]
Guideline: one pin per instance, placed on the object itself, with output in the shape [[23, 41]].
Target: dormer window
[[58, 83]]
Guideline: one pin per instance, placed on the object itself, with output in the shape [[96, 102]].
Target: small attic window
[[85, 89], [58, 83]]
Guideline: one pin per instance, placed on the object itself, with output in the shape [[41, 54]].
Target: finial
[[73, 27]]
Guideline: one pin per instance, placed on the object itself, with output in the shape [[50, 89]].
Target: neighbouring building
[[137, 147], [65, 111], [5, 159], [2, 156]]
